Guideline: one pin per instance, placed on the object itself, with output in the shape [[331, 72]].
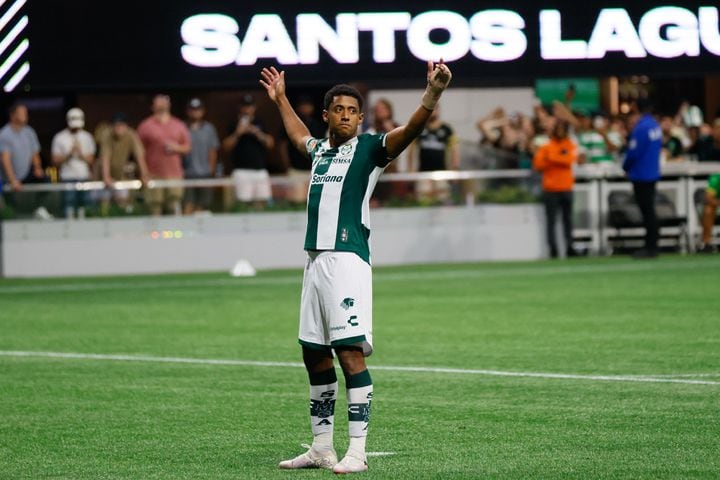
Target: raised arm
[[274, 83], [438, 78]]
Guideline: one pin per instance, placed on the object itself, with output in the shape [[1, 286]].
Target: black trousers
[[562, 201], [645, 198]]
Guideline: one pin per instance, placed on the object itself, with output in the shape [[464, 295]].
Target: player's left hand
[[438, 76]]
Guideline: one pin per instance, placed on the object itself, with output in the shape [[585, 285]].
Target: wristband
[[429, 100]]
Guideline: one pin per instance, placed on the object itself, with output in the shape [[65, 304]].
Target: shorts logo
[[352, 322], [347, 303]]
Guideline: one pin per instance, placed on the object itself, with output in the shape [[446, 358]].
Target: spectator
[[201, 162], [248, 145], [672, 148], [383, 117], [709, 213], [594, 139], [689, 115], [165, 138], [383, 121], [120, 152], [555, 161], [298, 165], [706, 146], [436, 148], [73, 151], [642, 165], [20, 156]]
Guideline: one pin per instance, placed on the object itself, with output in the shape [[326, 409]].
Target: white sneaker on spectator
[[351, 464], [42, 214], [311, 459]]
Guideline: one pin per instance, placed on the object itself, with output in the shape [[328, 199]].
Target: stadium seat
[[626, 226]]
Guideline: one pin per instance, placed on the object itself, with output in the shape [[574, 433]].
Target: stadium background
[[594, 368]]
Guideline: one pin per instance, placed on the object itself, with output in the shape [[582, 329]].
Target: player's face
[[343, 116]]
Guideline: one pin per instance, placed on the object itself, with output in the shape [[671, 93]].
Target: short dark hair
[[343, 89], [644, 105], [14, 106]]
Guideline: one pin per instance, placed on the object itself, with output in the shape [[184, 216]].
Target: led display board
[[92, 45]]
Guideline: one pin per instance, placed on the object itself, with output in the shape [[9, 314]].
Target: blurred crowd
[[165, 147], [600, 137]]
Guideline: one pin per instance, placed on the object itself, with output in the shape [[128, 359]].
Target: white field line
[[378, 277], [253, 363]]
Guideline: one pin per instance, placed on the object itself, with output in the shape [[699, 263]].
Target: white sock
[[323, 441], [360, 394], [323, 394], [357, 447]]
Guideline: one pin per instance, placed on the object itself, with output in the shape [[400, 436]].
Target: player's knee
[[317, 360], [352, 360]]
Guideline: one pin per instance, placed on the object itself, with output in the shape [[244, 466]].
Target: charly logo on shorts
[[347, 303]]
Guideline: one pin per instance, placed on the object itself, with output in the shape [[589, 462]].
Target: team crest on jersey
[[345, 149]]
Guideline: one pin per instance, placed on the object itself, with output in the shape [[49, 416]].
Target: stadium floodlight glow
[[492, 35]]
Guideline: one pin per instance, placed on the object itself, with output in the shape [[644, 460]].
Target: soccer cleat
[[351, 464], [311, 459]]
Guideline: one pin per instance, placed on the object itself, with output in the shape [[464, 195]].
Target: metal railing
[[594, 184]]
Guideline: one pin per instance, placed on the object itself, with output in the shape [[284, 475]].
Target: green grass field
[[596, 368]]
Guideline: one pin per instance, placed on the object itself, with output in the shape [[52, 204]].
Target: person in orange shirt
[[555, 161]]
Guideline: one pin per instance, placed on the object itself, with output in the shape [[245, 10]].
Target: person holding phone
[[247, 144]]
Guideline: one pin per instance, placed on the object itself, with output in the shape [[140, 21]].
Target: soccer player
[[709, 212], [336, 301]]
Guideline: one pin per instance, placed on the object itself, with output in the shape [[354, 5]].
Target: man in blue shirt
[[642, 165]]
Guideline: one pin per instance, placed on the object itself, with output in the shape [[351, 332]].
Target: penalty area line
[[454, 371]]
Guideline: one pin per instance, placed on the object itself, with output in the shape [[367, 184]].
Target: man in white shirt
[[73, 152]]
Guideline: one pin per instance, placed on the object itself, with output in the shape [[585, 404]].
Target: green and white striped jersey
[[341, 183]]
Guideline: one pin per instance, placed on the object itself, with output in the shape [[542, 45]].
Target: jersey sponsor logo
[[347, 303], [341, 160], [320, 179]]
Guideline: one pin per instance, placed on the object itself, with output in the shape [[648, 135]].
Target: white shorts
[[336, 303], [251, 185]]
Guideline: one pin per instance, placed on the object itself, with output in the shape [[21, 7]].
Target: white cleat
[[311, 459], [351, 464]]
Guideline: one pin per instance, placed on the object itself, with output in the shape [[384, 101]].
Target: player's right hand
[[274, 82]]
